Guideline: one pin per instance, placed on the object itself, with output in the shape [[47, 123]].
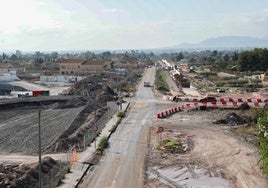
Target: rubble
[[231, 119], [24, 176]]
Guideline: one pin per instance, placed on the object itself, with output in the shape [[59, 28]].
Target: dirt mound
[[25, 176], [231, 119], [94, 86]]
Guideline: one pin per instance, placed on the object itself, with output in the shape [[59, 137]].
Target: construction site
[[196, 122], [66, 122]]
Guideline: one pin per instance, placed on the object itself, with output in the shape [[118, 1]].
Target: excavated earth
[[60, 117], [218, 156]]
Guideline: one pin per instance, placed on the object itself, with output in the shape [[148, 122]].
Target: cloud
[[113, 10], [260, 20], [25, 14], [266, 10]]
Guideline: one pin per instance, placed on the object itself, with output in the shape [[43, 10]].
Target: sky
[[56, 25]]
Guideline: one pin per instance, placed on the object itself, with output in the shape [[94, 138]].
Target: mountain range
[[226, 42]]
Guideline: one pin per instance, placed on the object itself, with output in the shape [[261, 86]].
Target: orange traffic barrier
[[74, 156]]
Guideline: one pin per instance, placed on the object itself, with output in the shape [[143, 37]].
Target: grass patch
[[160, 82]]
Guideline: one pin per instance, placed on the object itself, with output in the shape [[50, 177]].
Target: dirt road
[[123, 163], [216, 150]]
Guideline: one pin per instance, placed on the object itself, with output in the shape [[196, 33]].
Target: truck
[[146, 84], [40, 93]]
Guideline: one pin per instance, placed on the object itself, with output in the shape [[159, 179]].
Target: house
[[76, 66], [5, 68], [71, 66]]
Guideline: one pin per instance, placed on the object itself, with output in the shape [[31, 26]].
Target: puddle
[[191, 176], [184, 119]]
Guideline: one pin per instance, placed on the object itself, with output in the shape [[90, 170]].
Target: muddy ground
[[219, 157]]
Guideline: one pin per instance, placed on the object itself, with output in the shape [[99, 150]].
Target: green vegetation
[[160, 82], [113, 129], [172, 146], [262, 133], [256, 60], [104, 143], [121, 114], [208, 74], [226, 82]]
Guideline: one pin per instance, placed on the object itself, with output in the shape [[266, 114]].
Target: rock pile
[[25, 176]]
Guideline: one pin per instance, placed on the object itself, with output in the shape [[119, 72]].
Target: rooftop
[[72, 61], [94, 62]]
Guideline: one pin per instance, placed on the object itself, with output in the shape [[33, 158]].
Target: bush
[[172, 145], [113, 129], [121, 114], [104, 143], [262, 133]]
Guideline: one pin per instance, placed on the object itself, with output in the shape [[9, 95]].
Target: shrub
[[262, 133], [172, 145], [103, 143], [121, 114], [112, 130]]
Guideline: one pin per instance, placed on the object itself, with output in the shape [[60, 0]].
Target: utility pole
[[39, 148]]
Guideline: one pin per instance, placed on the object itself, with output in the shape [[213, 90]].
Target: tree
[[89, 55], [226, 57], [214, 53], [54, 56], [256, 60], [211, 59], [4, 56], [222, 65], [13, 57], [192, 59], [106, 55], [178, 57], [18, 54], [245, 61], [235, 56]]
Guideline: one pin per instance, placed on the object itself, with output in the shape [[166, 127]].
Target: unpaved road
[[123, 163]]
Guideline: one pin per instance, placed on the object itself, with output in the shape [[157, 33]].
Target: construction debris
[[24, 176]]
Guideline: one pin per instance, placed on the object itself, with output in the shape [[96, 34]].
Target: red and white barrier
[[220, 104], [226, 99]]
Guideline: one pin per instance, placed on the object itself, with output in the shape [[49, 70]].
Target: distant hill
[[225, 42]]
